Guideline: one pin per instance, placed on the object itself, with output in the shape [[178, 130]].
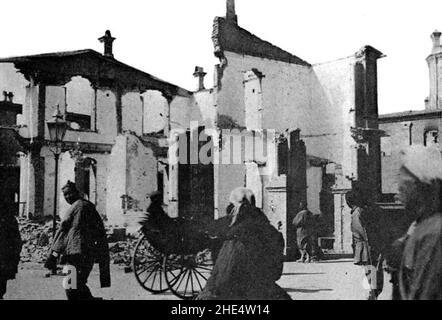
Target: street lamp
[[57, 129]]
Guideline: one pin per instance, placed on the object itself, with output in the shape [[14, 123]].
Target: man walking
[[303, 222], [81, 240], [369, 239]]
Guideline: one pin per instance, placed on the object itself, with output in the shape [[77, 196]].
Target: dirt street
[[325, 280]]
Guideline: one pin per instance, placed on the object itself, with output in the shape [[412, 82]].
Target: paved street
[[325, 280]]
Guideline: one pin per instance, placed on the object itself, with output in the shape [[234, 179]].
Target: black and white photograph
[[242, 151]]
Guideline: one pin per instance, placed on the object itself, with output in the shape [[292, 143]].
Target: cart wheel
[[148, 267], [186, 275]]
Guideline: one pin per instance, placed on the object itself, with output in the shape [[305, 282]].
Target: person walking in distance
[[303, 222], [369, 239]]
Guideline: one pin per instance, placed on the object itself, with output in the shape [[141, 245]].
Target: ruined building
[[326, 121], [111, 150], [422, 127], [286, 128]]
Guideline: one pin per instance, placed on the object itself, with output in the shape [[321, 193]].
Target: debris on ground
[[121, 252], [37, 239]]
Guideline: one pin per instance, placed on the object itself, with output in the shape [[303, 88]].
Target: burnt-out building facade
[[288, 129], [318, 124], [111, 150]]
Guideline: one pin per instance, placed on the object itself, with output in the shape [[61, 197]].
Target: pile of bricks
[[121, 252], [37, 238]]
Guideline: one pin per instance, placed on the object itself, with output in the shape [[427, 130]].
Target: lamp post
[[57, 130]]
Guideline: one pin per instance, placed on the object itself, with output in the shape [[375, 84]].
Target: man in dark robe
[[251, 258], [368, 239], [420, 179], [303, 222], [10, 245], [81, 241], [157, 217]]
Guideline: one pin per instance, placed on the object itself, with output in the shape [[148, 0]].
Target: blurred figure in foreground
[[251, 258], [420, 177], [10, 245]]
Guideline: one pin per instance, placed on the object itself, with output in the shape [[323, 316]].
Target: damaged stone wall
[[106, 116], [328, 122], [402, 132], [142, 171], [203, 108], [321, 101], [109, 182], [116, 181], [155, 111], [180, 116], [132, 111], [285, 89], [316, 100]]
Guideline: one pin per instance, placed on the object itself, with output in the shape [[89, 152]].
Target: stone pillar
[[117, 182], [276, 209], [66, 172], [343, 234], [24, 177], [168, 126], [173, 176], [36, 191]]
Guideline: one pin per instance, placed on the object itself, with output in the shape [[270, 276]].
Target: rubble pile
[[37, 238], [121, 252]]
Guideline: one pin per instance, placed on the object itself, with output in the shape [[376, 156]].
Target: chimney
[[200, 74], [231, 14], [108, 40], [435, 36]]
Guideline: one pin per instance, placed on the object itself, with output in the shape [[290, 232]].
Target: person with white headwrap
[[237, 198], [251, 256], [420, 177]]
